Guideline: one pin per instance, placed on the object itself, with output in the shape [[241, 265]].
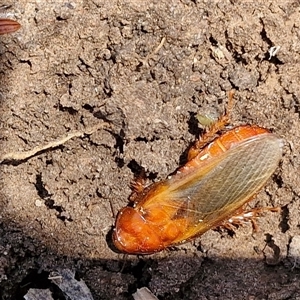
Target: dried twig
[[19, 156], [145, 60]]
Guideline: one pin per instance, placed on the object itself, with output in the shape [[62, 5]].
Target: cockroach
[[223, 172], [8, 26]]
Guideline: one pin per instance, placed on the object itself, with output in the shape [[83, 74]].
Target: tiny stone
[[38, 203]]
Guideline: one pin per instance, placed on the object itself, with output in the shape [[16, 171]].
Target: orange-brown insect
[[8, 26], [217, 180]]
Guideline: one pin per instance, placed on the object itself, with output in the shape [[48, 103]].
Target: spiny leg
[[211, 132], [244, 216], [138, 185]]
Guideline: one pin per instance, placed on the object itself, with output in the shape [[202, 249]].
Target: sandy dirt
[[146, 68]]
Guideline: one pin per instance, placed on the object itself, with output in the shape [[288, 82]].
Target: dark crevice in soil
[[146, 140], [141, 272], [120, 162], [37, 280], [271, 243], [135, 167], [265, 38], [50, 203], [284, 225], [139, 171], [141, 139], [193, 124], [278, 179], [272, 59], [70, 110], [120, 141], [88, 107], [119, 146], [213, 41]]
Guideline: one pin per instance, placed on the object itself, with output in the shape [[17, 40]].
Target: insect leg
[[242, 217], [211, 132], [138, 185]]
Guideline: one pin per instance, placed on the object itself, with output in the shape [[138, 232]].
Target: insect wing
[[226, 183], [8, 26]]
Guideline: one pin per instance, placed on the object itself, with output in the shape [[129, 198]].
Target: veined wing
[[225, 184]]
